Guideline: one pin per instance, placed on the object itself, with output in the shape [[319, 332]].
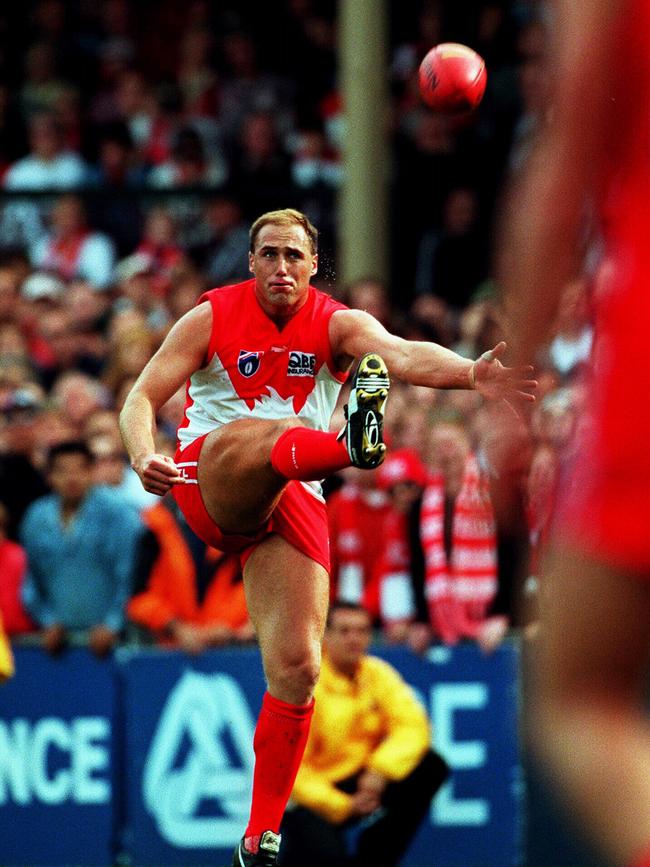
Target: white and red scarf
[[63, 256], [459, 591]]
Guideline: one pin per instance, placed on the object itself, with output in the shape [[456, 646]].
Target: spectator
[[129, 354], [534, 87], [428, 167], [117, 166], [115, 55], [80, 543], [458, 537], [314, 163], [41, 87], [110, 467], [368, 755], [186, 289], [570, 346], [431, 318], [225, 256], [160, 248], [137, 303], [452, 261], [50, 321], [13, 566], [71, 249], [21, 481], [120, 175], [188, 165], [371, 295], [12, 130], [261, 168], [356, 515], [401, 566], [248, 89], [78, 395], [193, 597], [541, 494], [6, 656], [68, 111], [89, 311], [48, 166], [197, 79], [138, 109]]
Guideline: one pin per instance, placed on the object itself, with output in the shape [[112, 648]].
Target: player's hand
[[158, 473], [101, 640], [494, 381]]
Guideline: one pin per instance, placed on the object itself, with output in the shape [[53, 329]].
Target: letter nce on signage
[[29, 770]]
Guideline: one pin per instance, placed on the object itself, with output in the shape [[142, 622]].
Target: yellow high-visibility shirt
[[6, 656], [370, 722]]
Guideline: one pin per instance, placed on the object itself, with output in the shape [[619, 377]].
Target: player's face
[[348, 638], [283, 265]]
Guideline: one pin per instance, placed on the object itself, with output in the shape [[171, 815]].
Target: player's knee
[[294, 675]]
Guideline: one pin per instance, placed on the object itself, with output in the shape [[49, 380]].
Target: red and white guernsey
[[254, 369]]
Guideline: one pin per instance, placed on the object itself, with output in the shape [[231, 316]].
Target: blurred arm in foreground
[[587, 720]]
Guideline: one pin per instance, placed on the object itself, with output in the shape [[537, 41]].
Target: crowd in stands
[[133, 159]]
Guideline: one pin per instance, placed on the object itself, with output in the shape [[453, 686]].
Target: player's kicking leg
[[244, 466]]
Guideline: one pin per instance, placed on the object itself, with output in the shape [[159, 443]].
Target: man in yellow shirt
[[6, 656], [368, 762]]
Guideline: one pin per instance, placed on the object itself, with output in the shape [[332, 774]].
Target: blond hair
[[285, 217]]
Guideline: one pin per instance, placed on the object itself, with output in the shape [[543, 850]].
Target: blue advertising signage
[[149, 756], [57, 760], [472, 701], [189, 753]]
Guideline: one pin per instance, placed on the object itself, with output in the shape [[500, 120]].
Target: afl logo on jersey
[[301, 364], [248, 363]]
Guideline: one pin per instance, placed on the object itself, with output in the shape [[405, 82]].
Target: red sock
[[643, 861], [306, 454], [280, 739]]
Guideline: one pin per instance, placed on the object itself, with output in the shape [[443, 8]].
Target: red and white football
[[452, 78]]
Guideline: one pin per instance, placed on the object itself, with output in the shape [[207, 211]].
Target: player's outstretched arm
[[183, 351], [354, 332]]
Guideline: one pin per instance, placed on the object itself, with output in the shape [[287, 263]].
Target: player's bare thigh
[[239, 486]]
